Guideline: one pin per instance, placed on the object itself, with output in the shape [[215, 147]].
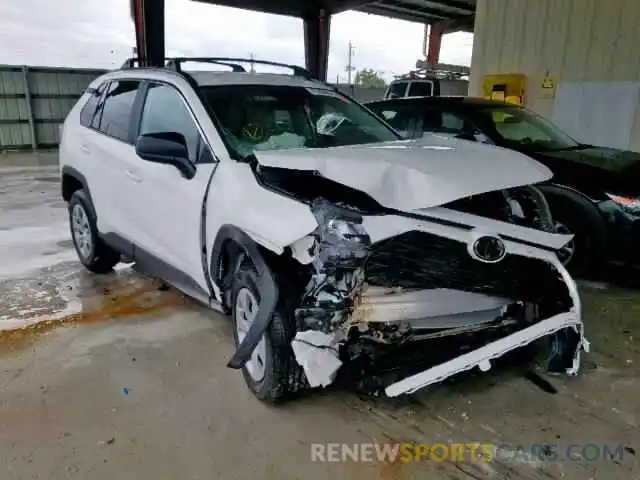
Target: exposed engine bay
[[452, 287]]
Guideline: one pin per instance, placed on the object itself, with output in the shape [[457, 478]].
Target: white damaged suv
[[334, 245]]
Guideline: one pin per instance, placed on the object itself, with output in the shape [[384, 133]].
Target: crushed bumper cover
[[482, 357], [438, 287]]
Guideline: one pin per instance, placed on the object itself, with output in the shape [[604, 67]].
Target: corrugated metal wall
[[35, 100], [362, 94], [571, 40]]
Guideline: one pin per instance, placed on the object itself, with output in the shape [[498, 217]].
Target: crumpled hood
[[415, 174]]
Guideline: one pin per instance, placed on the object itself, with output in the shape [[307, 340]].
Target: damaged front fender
[[266, 285]]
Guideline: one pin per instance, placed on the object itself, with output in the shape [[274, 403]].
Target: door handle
[[85, 148], [132, 175]]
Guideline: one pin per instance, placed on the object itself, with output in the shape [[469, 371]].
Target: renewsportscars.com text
[[465, 452]]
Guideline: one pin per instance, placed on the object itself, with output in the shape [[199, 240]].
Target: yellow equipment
[[505, 87]]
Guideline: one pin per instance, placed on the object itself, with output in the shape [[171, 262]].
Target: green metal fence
[[34, 102]]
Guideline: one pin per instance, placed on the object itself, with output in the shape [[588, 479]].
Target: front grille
[[418, 260]]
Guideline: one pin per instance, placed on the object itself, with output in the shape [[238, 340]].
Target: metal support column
[[317, 28], [433, 44], [29, 104], [148, 17]]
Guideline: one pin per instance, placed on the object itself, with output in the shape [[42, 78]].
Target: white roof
[[211, 78], [205, 78]]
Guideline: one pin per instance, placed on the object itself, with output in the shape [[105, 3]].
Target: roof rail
[[171, 63], [297, 71], [174, 63]]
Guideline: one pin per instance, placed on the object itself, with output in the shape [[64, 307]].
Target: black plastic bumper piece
[[267, 288]]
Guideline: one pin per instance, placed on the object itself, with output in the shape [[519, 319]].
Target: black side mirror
[[169, 148]]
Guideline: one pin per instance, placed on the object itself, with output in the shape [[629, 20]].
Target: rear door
[[108, 142]]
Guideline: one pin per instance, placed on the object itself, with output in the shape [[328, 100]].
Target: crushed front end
[[443, 290]]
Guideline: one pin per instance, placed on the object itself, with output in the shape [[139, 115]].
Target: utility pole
[[350, 67], [252, 70]]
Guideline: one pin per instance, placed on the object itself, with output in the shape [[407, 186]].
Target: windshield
[[520, 128], [273, 117]]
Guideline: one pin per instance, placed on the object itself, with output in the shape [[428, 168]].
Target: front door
[[170, 205]]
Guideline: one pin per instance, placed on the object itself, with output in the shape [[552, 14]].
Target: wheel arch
[[231, 246], [570, 194], [556, 192], [71, 181]]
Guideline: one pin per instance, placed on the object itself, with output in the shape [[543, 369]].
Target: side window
[[88, 111], [397, 89], [400, 117], [420, 89], [114, 116], [452, 123], [165, 111], [443, 122]]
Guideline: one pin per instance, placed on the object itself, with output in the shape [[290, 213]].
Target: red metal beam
[[317, 28], [434, 43], [148, 19]]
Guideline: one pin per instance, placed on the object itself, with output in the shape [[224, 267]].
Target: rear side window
[[421, 89], [89, 110], [402, 118], [397, 89], [444, 122], [114, 114]]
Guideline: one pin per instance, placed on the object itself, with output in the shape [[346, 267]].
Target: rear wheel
[[93, 253]]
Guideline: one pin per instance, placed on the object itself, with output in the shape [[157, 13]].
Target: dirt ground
[[113, 377]]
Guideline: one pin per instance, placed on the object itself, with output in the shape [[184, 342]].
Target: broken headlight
[[342, 239], [346, 230]]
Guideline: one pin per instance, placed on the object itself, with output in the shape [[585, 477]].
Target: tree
[[368, 77]]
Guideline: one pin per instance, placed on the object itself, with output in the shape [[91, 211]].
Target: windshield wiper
[[568, 149]]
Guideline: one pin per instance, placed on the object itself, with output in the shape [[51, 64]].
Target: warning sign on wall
[[548, 87]]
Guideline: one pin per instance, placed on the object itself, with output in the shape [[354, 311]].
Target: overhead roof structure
[[443, 16], [453, 14]]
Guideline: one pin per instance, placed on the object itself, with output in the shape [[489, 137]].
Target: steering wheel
[[253, 132]]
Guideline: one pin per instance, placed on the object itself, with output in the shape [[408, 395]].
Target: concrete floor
[[118, 379]]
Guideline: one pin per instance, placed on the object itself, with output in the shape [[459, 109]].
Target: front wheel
[[586, 250], [271, 373]]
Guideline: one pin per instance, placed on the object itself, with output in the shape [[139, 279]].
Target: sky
[[86, 33]]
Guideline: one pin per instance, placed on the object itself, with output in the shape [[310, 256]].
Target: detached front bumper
[[482, 356], [565, 330]]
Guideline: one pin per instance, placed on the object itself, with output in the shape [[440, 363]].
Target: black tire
[[584, 222], [97, 257], [282, 374]]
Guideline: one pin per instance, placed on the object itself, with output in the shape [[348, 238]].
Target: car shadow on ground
[[615, 274]]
